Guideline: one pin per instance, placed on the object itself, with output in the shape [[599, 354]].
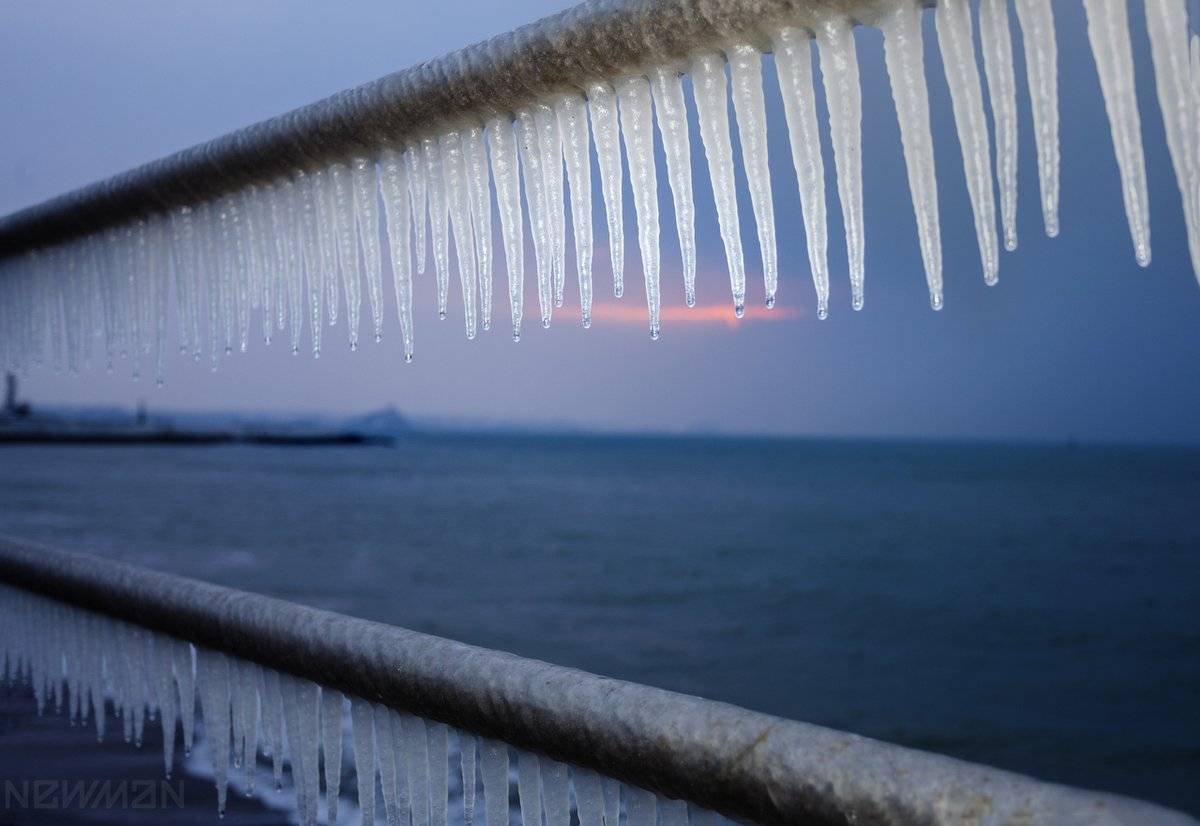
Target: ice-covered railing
[[283, 219], [433, 720]]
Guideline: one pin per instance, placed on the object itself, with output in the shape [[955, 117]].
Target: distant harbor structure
[[19, 424]]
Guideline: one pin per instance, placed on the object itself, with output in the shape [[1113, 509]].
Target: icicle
[[272, 707], [181, 661], [366, 213], [385, 752], [438, 775], [556, 793], [709, 88], [1041, 59], [250, 677], [529, 788], [1108, 34], [550, 146], [996, 39], [571, 113], [966, 95], [637, 124], [213, 676], [416, 758], [903, 53], [793, 64], [612, 801], [641, 808], [1166, 21], [503, 146], [481, 216], [494, 770], [309, 234], [395, 185], [745, 66], [539, 211], [602, 109], [331, 747], [839, 73], [347, 246], [671, 112], [328, 231], [454, 170], [438, 215], [466, 749], [589, 802], [362, 719], [285, 213], [302, 718], [414, 164]]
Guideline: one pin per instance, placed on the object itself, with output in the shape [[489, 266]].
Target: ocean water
[[1035, 608]]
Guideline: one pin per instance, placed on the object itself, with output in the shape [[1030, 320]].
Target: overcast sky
[[1076, 342]]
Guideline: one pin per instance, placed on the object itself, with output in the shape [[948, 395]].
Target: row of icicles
[[82, 664], [305, 245]]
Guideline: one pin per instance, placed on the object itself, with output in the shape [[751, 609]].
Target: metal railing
[[746, 765]]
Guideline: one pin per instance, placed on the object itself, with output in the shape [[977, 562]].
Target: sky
[[1075, 343]]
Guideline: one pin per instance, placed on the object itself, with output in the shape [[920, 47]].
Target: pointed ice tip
[[587, 322], [1143, 256], [1052, 228], [353, 346], [618, 291], [545, 322], [441, 315], [408, 358], [739, 308], [822, 311], [295, 351], [654, 332], [857, 303], [516, 336], [690, 299], [770, 302], [558, 301], [378, 337], [470, 335], [935, 301], [487, 326]]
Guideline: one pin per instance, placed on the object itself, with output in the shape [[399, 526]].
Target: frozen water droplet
[[353, 346], [935, 301], [408, 357], [739, 309], [822, 313], [587, 322], [654, 333], [857, 302], [441, 315], [770, 302]]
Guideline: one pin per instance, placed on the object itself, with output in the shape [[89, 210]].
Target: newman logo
[[93, 794]]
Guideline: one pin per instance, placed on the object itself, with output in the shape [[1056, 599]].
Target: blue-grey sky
[[1076, 342]]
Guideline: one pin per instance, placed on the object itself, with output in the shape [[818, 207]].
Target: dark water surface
[[1034, 608]]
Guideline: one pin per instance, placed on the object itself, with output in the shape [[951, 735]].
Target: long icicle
[[793, 64], [637, 125], [671, 113], [397, 210], [539, 212], [1166, 21], [745, 69], [602, 110], [571, 112], [435, 186], [843, 95], [481, 216], [1108, 34], [966, 97], [996, 39], [711, 93], [505, 170], [1041, 67], [366, 215], [454, 171], [906, 70]]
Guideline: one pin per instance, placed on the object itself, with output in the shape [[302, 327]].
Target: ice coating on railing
[[298, 249], [255, 721]]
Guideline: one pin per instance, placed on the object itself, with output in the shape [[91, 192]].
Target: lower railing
[[269, 672]]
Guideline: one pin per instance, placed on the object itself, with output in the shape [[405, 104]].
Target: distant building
[[13, 407]]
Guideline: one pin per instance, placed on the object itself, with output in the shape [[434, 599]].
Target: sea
[[1032, 607]]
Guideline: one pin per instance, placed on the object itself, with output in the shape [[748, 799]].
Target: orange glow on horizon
[[634, 312]]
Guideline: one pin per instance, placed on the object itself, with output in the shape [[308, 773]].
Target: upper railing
[[746, 765]]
